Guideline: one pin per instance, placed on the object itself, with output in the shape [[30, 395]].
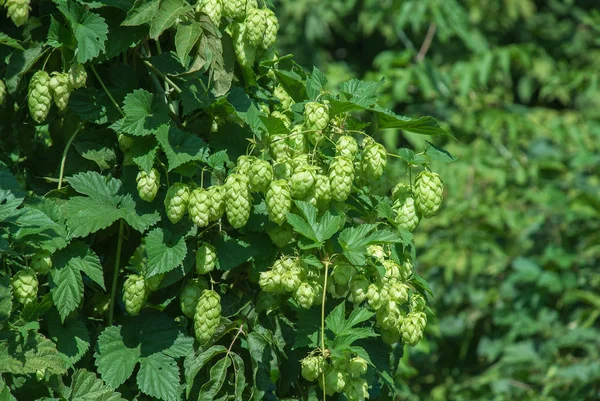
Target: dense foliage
[[186, 213], [513, 259]]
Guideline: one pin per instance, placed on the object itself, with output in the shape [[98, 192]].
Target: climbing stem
[[64, 157], [326, 263], [112, 99], [113, 289]]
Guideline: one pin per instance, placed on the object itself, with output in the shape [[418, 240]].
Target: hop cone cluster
[[238, 201], [135, 293], [234, 8], [147, 184], [206, 258], [256, 26], [18, 11], [302, 181], [176, 201], [190, 294], [244, 51], [40, 96], [428, 193], [25, 286], [207, 316], [61, 89], [271, 28]]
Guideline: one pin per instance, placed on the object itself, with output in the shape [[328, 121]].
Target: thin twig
[[112, 99], [163, 76], [113, 289], [427, 42], [64, 157]]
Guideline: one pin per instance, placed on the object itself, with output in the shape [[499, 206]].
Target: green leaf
[[114, 359], [72, 338], [240, 375], [195, 362], [218, 374], [5, 299], [159, 377], [293, 84], [166, 251], [30, 355], [422, 125], [144, 114], [167, 15], [66, 284], [89, 29], [308, 226], [58, 34], [8, 41], [86, 386], [186, 37], [260, 353], [143, 11], [181, 147], [315, 84], [232, 252], [93, 105], [438, 154], [20, 63]]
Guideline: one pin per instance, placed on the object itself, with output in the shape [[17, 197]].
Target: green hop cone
[[270, 281], [272, 26], [212, 8], [322, 191], [393, 271], [244, 165], [281, 235], [312, 367], [406, 214], [207, 316], [284, 118], [18, 11], [388, 317], [335, 381], [61, 89], [428, 193], [305, 295], [250, 5], [234, 8], [198, 207], [412, 327], [77, 76], [347, 147], [297, 142], [374, 161], [152, 283], [357, 366], [190, 294], [25, 286], [261, 175], [376, 252], [244, 51], [359, 287], [42, 262], [398, 293], [302, 181], [357, 390], [135, 293], [206, 258], [176, 201], [284, 98], [216, 202], [125, 142], [341, 176], [147, 184], [390, 337], [2, 93], [256, 25], [279, 148], [316, 116], [342, 273], [40, 96], [279, 201], [238, 201], [374, 297]]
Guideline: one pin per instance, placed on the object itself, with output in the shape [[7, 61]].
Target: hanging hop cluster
[[207, 316]]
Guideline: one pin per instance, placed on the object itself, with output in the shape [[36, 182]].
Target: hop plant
[[335, 381], [347, 147], [357, 390], [244, 51], [322, 191], [261, 175], [302, 181], [305, 295], [190, 294], [234, 8], [359, 287], [284, 98], [278, 147], [216, 202], [206, 258], [256, 25], [281, 235], [18, 11], [40, 96], [198, 207], [244, 165], [341, 177], [406, 214], [312, 367], [77, 76], [212, 8], [357, 366], [61, 89], [135, 293], [412, 327], [125, 142], [2, 93], [207, 316], [152, 283], [41, 262], [428, 193], [25, 286], [271, 28], [147, 184], [176, 201], [316, 116], [237, 201], [374, 161], [279, 201]]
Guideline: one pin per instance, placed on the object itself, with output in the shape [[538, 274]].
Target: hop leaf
[[135, 293], [40, 96], [428, 193], [207, 316], [281, 235]]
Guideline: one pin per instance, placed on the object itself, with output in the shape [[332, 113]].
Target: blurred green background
[[513, 256]]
